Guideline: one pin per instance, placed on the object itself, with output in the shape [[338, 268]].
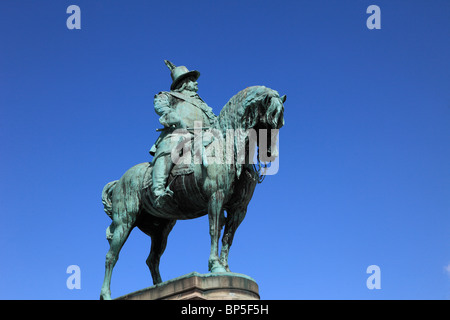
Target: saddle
[[185, 164]]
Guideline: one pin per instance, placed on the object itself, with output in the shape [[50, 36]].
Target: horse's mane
[[240, 111]]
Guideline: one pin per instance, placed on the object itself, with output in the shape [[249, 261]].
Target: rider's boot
[[161, 169]]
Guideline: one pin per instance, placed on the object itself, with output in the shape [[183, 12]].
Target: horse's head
[[265, 115], [255, 113], [272, 119], [262, 108], [273, 111]]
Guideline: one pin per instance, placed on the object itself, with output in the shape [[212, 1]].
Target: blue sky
[[364, 174]]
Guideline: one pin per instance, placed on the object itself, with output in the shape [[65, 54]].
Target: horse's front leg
[[215, 214], [233, 220]]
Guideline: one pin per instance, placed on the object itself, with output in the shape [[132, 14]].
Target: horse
[[204, 189]]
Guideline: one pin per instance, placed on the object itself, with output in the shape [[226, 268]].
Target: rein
[[260, 169]]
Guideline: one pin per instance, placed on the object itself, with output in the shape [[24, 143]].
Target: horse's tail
[[106, 197]]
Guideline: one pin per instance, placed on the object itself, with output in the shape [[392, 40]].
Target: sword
[[166, 128]]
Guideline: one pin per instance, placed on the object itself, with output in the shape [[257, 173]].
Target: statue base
[[196, 286]]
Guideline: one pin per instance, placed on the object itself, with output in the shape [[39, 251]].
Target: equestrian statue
[[220, 175]]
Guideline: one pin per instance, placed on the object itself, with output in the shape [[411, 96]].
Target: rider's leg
[[162, 165], [161, 169]]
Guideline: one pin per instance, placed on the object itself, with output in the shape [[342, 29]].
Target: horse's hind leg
[[120, 229], [159, 232]]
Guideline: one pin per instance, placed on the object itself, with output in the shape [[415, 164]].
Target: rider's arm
[[163, 107]]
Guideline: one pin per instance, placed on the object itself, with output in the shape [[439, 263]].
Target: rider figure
[[178, 109]]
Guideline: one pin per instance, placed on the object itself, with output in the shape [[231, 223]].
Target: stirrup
[[162, 199]]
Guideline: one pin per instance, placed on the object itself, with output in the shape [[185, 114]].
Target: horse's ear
[[283, 98]]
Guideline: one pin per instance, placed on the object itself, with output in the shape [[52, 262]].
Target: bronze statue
[[179, 108], [153, 195]]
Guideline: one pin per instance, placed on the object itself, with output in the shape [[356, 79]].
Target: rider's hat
[[180, 73]]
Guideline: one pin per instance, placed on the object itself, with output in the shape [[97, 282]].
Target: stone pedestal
[[196, 286]]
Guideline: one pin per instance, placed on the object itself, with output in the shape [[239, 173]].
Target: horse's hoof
[[214, 266], [105, 296], [218, 269]]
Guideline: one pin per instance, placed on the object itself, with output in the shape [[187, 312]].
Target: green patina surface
[[154, 195]]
